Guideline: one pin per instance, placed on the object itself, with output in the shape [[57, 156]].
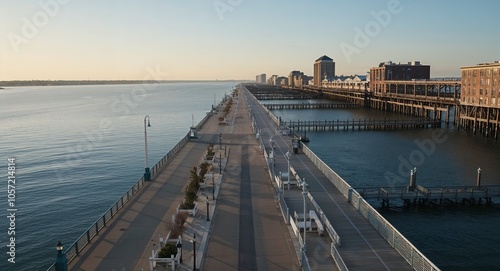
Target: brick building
[[388, 71], [480, 85]]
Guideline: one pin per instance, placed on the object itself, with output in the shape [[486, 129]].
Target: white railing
[[404, 247], [339, 262], [329, 228]]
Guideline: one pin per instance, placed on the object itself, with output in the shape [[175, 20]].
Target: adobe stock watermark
[[424, 148], [223, 6], [121, 106], [32, 26], [363, 37]]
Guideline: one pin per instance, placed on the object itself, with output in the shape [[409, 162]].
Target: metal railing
[[339, 262], [89, 234], [329, 228], [404, 247]]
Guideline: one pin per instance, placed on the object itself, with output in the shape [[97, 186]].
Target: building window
[[487, 73], [464, 74], [481, 73], [495, 71], [481, 92], [482, 82], [495, 82], [474, 73]]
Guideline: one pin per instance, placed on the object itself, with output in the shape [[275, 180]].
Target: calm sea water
[[455, 238], [79, 148]]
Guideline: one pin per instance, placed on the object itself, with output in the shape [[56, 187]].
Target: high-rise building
[[261, 78], [324, 67], [387, 71], [481, 85]]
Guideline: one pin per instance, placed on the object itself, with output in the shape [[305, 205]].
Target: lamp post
[[478, 180], [213, 187], [220, 163], [61, 261], [147, 174], [271, 141], [288, 155], [304, 193], [220, 141], [179, 246], [208, 210], [194, 251]]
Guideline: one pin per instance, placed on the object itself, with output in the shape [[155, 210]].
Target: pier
[[309, 106], [309, 219], [432, 196], [361, 124]]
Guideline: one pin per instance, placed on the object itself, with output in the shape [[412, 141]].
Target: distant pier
[[361, 124], [309, 106]]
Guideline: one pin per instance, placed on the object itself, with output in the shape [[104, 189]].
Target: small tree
[[177, 227]]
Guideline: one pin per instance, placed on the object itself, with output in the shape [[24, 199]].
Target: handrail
[[402, 245], [74, 249]]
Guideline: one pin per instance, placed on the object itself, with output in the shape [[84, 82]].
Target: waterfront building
[[352, 82], [298, 79], [261, 78], [480, 85], [282, 81], [390, 71], [324, 68]]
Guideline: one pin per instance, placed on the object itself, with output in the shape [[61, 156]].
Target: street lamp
[[213, 187], [271, 156], [220, 163], [208, 210], [179, 246], [220, 141], [478, 180], [304, 193], [194, 251], [61, 261], [288, 155], [147, 174]]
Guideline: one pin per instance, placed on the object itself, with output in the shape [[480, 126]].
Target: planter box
[[191, 212]]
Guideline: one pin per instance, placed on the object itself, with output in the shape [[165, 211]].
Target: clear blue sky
[[191, 39]]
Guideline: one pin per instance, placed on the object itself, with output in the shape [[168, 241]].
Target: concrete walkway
[[247, 230], [363, 248]]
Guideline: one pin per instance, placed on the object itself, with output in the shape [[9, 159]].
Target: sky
[[238, 39]]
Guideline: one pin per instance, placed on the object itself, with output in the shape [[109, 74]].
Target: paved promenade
[[363, 248], [247, 232]]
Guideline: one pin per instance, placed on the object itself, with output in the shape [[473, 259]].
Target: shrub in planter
[[167, 251], [203, 170]]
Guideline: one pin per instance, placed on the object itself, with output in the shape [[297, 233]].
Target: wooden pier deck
[[433, 196], [361, 124], [309, 106]]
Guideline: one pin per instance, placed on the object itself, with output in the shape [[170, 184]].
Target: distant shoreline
[[19, 83]]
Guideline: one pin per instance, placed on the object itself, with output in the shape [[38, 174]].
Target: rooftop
[[324, 58]]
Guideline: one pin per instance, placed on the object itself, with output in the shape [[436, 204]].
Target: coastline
[[26, 83]]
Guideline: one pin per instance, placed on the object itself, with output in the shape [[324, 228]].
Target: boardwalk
[[261, 241], [363, 248], [248, 233]]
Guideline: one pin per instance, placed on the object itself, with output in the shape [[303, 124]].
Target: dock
[[309, 106], [360, 124]]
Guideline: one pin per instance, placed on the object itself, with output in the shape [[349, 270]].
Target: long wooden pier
[[309, 106], [361, 124], [433, 196]]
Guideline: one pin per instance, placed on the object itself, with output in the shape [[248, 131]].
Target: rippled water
[[454, 238], [79, 148]]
